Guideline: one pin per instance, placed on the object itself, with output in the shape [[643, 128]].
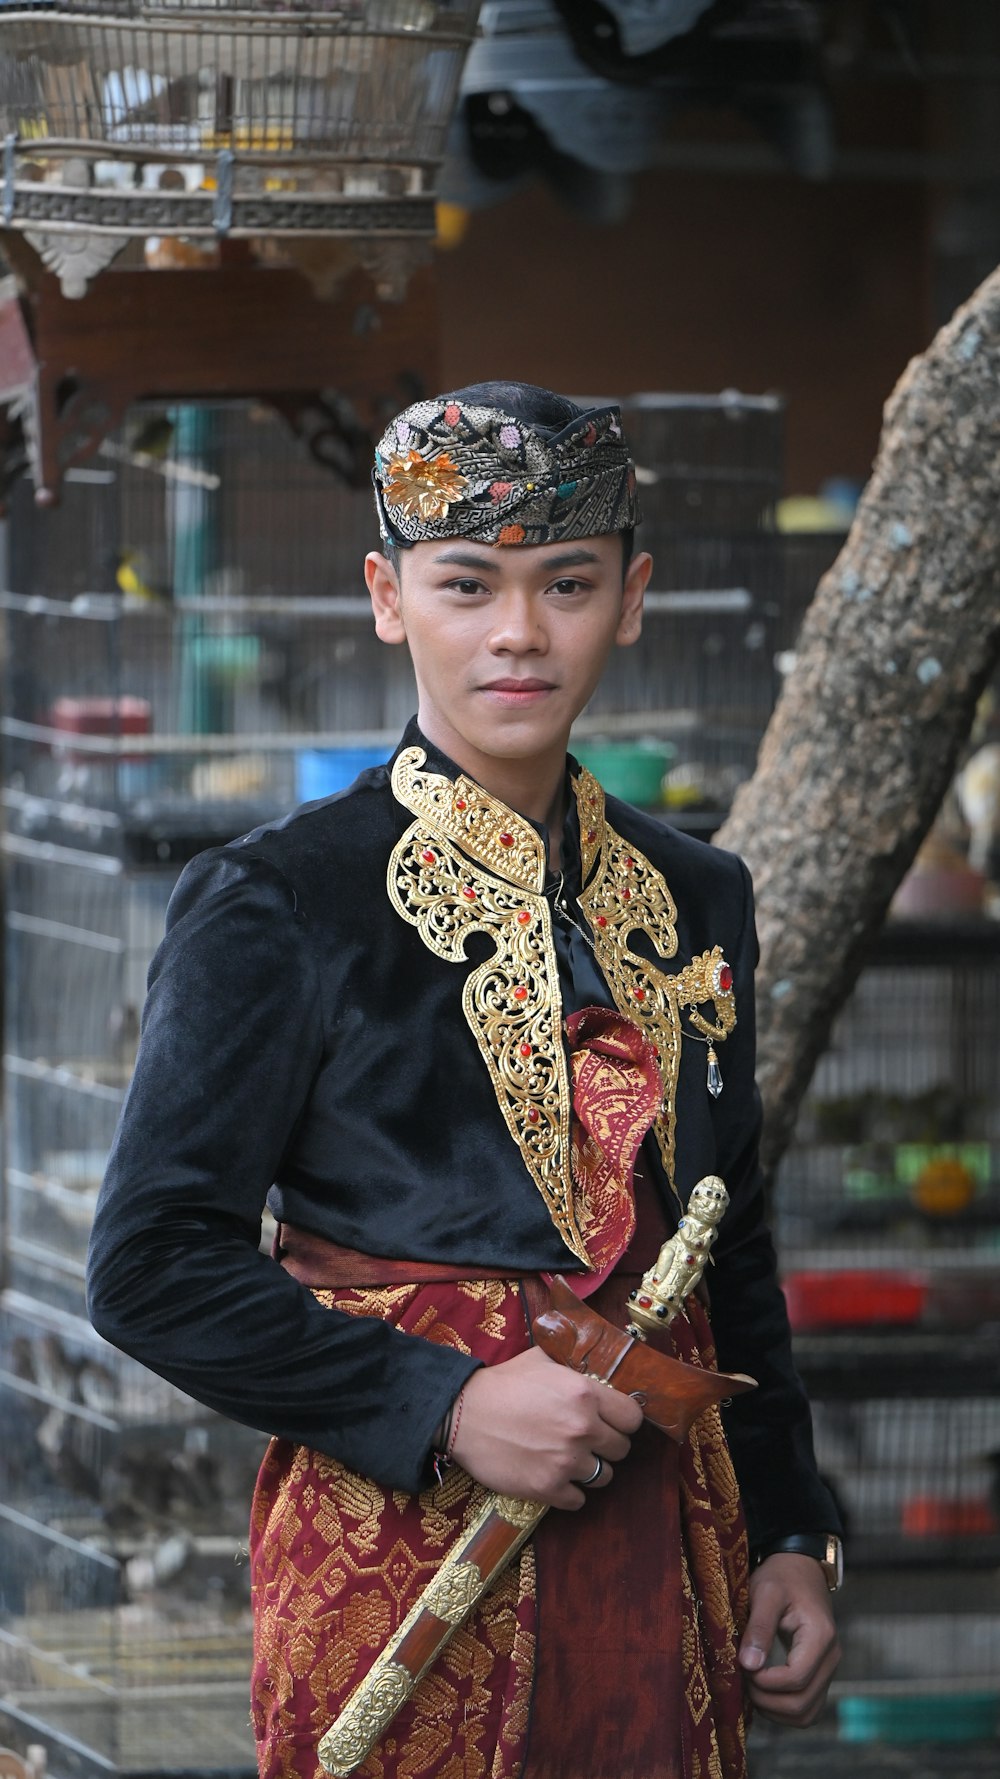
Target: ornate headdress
[[450, 468]]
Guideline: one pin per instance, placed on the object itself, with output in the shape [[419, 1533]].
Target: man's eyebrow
[[466, 559], [551, 564], [571, 559]]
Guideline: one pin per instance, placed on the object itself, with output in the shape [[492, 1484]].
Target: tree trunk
[[901, 637]]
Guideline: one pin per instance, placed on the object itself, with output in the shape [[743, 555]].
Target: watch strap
[[826, 1547]]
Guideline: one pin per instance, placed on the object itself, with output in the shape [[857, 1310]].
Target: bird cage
[[895, 1161], [887, 1222], [124, 1596], [174, 125], [142, 723], [707, 462], [727, 594]]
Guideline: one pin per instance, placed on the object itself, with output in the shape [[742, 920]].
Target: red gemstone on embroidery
[[520, 994], [645, 1303], [725, 978], [630, 864], [429, 857], [524, 918], [690, 1260], [626, 895], [525, 1049], [460, 803], [533, 1114], [452, 414], [506, 840], [602, 920], [640, 994], [468, 892], [591, 836]]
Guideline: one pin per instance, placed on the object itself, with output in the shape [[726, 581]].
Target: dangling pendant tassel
[[714, 1073]]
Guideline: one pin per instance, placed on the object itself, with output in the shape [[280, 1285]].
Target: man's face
[[508, 643]]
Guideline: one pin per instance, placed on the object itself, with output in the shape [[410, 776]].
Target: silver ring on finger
[[589, 1481]]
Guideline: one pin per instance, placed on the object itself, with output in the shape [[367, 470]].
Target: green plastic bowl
[[920, 1717], [228, 656], [632, 770]]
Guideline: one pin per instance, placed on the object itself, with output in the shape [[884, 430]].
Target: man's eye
[[466, 586], [568, 585]]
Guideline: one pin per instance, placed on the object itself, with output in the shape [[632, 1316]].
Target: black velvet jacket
[[301, 1044]]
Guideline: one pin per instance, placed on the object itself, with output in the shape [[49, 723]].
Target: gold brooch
[[423, 487]]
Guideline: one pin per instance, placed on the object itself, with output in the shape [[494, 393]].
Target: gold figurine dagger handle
[[681, 1262]]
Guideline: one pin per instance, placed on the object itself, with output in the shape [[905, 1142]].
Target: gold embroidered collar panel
[[469, 864]]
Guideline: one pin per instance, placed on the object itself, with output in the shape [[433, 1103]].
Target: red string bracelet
[[445, 1443]]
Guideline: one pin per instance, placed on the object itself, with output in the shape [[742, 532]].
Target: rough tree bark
[[894, 651]]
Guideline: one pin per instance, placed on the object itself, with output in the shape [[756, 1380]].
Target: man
[[393, 1015]]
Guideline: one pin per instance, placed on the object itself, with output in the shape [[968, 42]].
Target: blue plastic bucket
[[319, 772]]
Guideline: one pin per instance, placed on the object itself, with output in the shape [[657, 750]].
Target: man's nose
[[518, 627]]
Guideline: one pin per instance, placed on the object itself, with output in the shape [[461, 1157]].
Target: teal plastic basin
[[631, 770], [920, 1717]]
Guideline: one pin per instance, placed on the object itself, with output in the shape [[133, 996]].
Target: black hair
[[541, 409]]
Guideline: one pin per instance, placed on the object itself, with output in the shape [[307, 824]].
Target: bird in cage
[[152, 436], [134, 579]]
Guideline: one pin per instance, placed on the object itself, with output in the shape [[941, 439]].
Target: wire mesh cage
[[81, 930], [887, 1220], [124, 1616], [917, 1478], [231, 508], [916, 1472], [707, 463], [360, 81], [727, 596], [125, 120], [212, 500], [187, 654], [134, 1657], [896, 1158]]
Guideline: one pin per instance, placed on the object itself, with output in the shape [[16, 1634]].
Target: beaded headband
[[446, 468]]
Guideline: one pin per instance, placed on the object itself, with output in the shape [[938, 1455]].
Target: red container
[[854, 1298], [101, 716], [935, 1516]]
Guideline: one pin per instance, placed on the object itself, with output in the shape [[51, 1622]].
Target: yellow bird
[[133, 580]]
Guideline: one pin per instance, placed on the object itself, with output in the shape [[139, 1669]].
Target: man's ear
[[636, 581], [383, 586]]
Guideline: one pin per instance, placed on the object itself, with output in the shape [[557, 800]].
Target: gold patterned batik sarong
[[338, 1561], [637, 1601], [608, 1649]]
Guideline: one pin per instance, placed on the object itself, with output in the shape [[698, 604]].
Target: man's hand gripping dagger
[[538, 1434]]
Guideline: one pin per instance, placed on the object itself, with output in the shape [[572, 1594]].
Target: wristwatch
[[826, 1547]]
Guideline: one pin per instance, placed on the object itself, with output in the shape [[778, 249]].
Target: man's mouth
[[518, 691]]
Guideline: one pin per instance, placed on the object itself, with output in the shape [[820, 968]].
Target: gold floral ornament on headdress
[[423, 487]]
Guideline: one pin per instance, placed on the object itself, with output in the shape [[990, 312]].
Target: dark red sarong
[[606, 1651]]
